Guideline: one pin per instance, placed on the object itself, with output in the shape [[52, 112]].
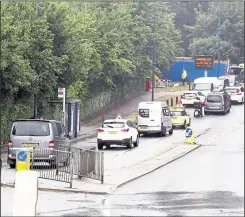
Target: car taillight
[[100, 130], [223, 104], [125, 130], [239, 94], [51, 144], [10, 144]]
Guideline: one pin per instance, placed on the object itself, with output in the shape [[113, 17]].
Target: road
[[208, 181]]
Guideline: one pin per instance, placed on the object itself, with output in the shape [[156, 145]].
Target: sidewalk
[[113, 177], [125, 108]]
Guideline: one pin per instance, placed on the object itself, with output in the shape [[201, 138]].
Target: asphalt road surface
[[207, 181]]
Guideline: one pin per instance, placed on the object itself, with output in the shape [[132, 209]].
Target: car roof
[[233, 87], [40, 120], [177, 109], [191, 91], [216, 93], [116, 120]]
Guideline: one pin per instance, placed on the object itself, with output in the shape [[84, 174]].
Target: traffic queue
[[156, 118]]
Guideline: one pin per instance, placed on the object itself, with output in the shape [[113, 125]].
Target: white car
[[189, 97], [119, 132], [236, 94]]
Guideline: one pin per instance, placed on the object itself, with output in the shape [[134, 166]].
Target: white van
[[154, 117], [205, 85]]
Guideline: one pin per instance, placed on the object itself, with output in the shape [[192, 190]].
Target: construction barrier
[[25, 193]]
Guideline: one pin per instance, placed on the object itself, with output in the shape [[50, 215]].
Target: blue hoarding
[[174, 73]]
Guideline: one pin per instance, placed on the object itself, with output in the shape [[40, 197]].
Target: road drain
[[203, 133]]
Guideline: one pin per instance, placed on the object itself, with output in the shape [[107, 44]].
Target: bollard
[[189, 136], [25, 193], [23, 160], [177, 100], [172, 102]]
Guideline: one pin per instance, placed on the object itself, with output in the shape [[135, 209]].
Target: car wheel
[[136, 144], [130, 144], [164, 132], [242, 101], [100, 146], [171, 131], [185, 125], [12, 166]]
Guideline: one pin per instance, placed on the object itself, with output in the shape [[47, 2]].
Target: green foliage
[[86, 47], [204, 34]]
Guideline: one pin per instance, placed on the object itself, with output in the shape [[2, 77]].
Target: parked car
[[190, 97], [29, 133], [217, 103], [154, 118], [119, 132], [236, 94], [180, 118]]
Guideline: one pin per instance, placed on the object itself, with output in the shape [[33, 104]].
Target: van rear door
[[30, 133], [155, 117]]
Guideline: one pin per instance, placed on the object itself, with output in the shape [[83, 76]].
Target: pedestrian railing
[[53, 164], [87, 163]]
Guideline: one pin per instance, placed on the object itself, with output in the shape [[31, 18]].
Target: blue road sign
[[22, 156], [188, 133]]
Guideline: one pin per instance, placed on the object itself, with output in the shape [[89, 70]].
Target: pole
[[64, 107], [153, 54], [218, 73], [35, 106], [1, 82], [35, 95]]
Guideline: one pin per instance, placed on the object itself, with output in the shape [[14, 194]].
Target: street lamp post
[[218, 73], [153, 54], [35, 95]]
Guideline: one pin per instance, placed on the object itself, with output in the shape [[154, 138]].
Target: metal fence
[[87, 163], [53, 164]]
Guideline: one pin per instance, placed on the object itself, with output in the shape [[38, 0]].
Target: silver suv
[[29, 133]]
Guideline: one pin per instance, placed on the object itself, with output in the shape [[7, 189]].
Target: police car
[[117, 131]]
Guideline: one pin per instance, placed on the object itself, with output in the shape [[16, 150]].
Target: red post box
[[148, 84]]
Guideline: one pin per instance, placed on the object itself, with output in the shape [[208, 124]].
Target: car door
[[226, 102], [131, 129], [60, 139], [167, 118], [134, 130], [242, 91]]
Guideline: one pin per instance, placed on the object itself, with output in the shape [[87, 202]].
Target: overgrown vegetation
[[93, 47]]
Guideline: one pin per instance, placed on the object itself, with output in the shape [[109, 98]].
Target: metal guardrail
[[87, 163], [53, 164]]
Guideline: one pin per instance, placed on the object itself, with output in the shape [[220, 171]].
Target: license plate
[[214, 107], [143, 127], [112, 132], [189, 98], [29, 145]]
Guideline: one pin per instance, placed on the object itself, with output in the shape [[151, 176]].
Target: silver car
[[217, 103], [31, 133]]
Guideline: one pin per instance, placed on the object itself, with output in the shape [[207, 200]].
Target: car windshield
[[177, 113], [31, 128], [189, 95], [113, 125], [232, 90], [201, 86], [214, 98]]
